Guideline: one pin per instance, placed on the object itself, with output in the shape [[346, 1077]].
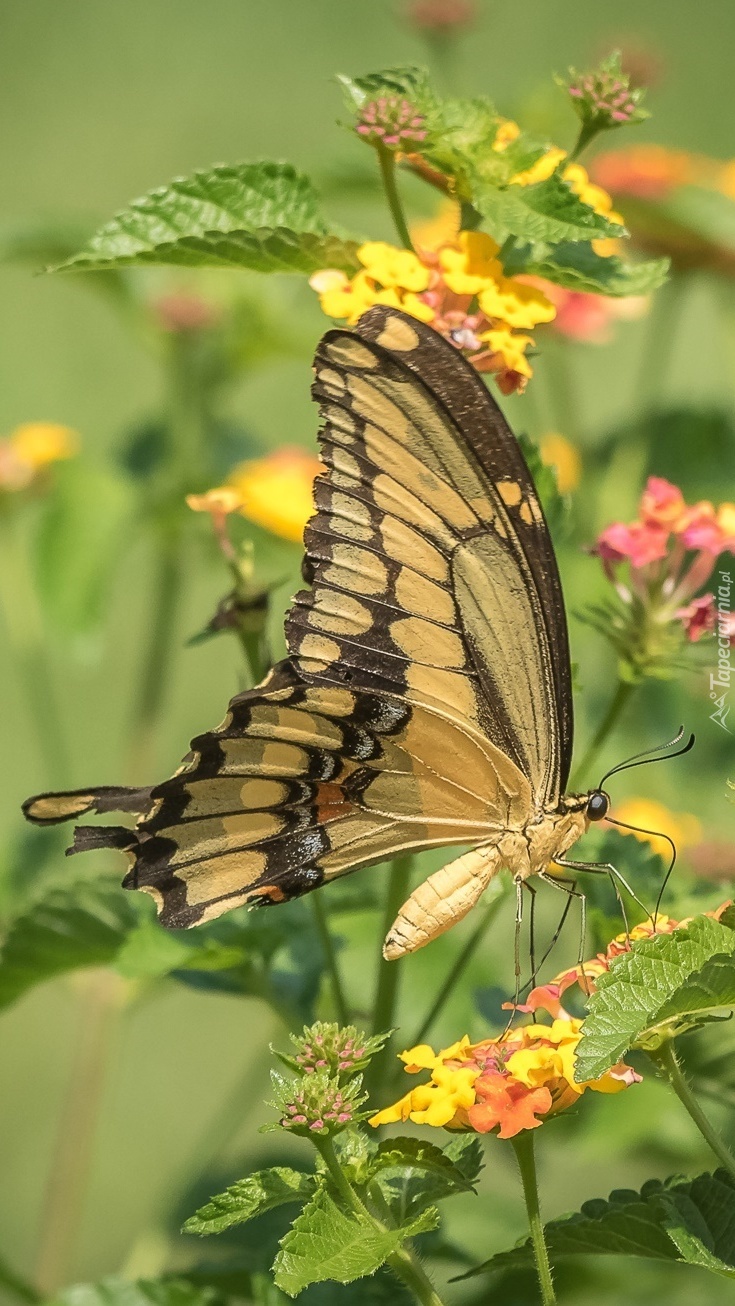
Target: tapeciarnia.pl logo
[[720, 681]]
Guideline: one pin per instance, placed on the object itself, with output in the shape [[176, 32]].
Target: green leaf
[[465, 1151], [415, 1174], [408, 81], [82, 924], [692, 1221], [548, 211], [263, 216], [326, 1243], [665, 984], [249, 1197], [140, 1292], [149, 952], [576, 266], [82, 534]]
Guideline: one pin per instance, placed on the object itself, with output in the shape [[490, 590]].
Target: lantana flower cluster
[[28, 452], [500, 1085], [547, 997], [459, 288], [658, 565]]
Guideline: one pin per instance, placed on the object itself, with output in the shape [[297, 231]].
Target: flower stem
[[27, 643], [388, 971], [523, 1148], [321, 920], [159, 653], [387, 162], [69, 1173], [461, 962], [662, 329], [617, 704], [667, 1060], [404, 1262]]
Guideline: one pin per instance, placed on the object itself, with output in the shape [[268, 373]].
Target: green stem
[[386, 990], [69, 1173], [461, 962], [587, 133], [14, 1285], [563, 389], [667, 1060], [27, 643], [404, 1261], [523, 1148], [159, 652], [661, 334], [387, 162], [617, 704], [321, 920]]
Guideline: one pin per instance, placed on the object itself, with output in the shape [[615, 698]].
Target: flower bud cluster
[[326, 1096], [391, 121]]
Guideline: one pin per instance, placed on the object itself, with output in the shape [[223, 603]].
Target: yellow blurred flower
[[503, 1084], [560, 454], [442, 229], [508, 131], [31, 448], [682, 827], [277, 491]]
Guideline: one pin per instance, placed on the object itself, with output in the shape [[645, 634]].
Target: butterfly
[[426, 699]]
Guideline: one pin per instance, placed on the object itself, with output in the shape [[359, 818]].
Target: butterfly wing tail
[[441, 900]]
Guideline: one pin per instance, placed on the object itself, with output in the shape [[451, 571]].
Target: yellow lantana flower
[[503, 1084], [390, 276], [511, 349], [558, 452], [277, 491], [30, 449], [474, 269], [684, 828]]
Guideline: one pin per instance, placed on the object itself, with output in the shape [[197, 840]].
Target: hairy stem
[[387, 162], [667, 1060], [523, 1148], [616, 706], [462, 960], [166, 599], [321, 920], [404, 1262], [662, 329]]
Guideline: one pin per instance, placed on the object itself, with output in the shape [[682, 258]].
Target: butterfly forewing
[[426, 700]]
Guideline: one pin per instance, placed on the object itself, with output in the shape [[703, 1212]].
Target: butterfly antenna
[[652, 755], [659, 834]]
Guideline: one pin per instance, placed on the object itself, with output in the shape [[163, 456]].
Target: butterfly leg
[[616, 878], [532, 931], [572, 892], [441, 900]]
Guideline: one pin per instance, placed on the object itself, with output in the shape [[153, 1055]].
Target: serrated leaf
[[80, 541], [692, 1221], [465, 1151], [82, 924], [263, 216], [576, 266], [139, 1292], [258, 1193], [550, 211], [326, 1243], [412, 1154], [664, 984]]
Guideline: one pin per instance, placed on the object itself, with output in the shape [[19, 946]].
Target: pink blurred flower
[[698, 617], [662, 503], [640, 543], [441, 16]]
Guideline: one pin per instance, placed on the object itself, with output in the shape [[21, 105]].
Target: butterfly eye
[[598, 805]]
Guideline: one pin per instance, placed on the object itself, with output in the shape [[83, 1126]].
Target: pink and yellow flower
[[458, 286], [502, 1085]]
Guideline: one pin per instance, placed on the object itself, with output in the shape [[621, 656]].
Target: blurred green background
[[100, 103]]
